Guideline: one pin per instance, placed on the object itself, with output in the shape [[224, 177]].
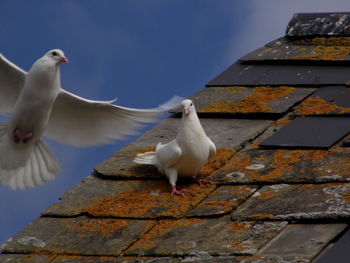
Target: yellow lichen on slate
[[317, 106], [258, 101], [326, 53]]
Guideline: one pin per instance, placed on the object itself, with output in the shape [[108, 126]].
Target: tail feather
[[146, 158], [23, 167]]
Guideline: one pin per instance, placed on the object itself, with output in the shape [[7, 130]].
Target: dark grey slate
[[77, 236], [339, 252], [209, 101], [215, 236], [283, 51], [297, 202], [319, 24], [302, 240], [292, 75], [310, 132], [29, 258]]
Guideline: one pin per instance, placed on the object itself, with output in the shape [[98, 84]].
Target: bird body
[[39, 106], [186, 154]]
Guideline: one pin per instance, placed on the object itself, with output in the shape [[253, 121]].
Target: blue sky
[[141, 52]]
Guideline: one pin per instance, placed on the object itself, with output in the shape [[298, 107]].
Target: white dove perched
[[186, 154], [39, 106]]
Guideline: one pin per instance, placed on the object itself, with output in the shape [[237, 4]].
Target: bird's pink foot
[[21, 136], [202, 181], [174, 191]]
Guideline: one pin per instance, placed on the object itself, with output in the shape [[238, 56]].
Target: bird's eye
[[191, 104], [54, 53]]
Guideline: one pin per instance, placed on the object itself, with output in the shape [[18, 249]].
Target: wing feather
[[11, 82], [82, 122]]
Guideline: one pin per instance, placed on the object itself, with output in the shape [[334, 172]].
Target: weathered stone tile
[[286, 166], [92, 259], [132, 199], [223, 200], [228, 135], [244, 100], [297, 202], [302, 240], [332, 100], [214, 236], [284, 50], [77, 236], [29, 258]]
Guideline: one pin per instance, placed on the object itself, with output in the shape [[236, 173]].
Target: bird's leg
[[174, 191], [202, 181], [21, 136], [171, 173]]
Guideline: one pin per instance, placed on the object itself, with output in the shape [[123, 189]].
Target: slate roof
[[281, 193]]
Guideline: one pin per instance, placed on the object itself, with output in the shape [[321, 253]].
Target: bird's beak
[[64, 59], [187, 111]]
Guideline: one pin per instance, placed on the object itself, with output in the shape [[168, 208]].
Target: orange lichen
[[105, 227], [262, 216], [274, 163], [282, 122], [346, 197], [222, 155], [316, 106], [326, 53], [322, 41], [145, 200], [153, 237], [258, 101], [240, 227], [32, 257]]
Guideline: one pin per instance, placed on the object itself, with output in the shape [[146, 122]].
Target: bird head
[[187, 106], [57, 55]]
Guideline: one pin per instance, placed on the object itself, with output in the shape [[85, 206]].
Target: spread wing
[[11, 82], [81, 122]]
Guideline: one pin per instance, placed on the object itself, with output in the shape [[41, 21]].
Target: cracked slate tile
[[223, 200], [214, 236], [297, 202], [286, 166], [303, 241], [131, 199], [238, 100], [228, 135], [77, 236]]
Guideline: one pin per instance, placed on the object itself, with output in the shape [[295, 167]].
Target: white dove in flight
[[186, 154], [39, 106]]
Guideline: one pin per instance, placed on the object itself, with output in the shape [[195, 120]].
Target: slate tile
[[310, 132], [282, 50], [238, 100], [302, 240], [319, 24], [214, 236], [339, 252], [223, 200], [228, 135], [77, 236], [29, 258], [131, 199], [326, 101], [286, 166], [297, 202], [240, 74]]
